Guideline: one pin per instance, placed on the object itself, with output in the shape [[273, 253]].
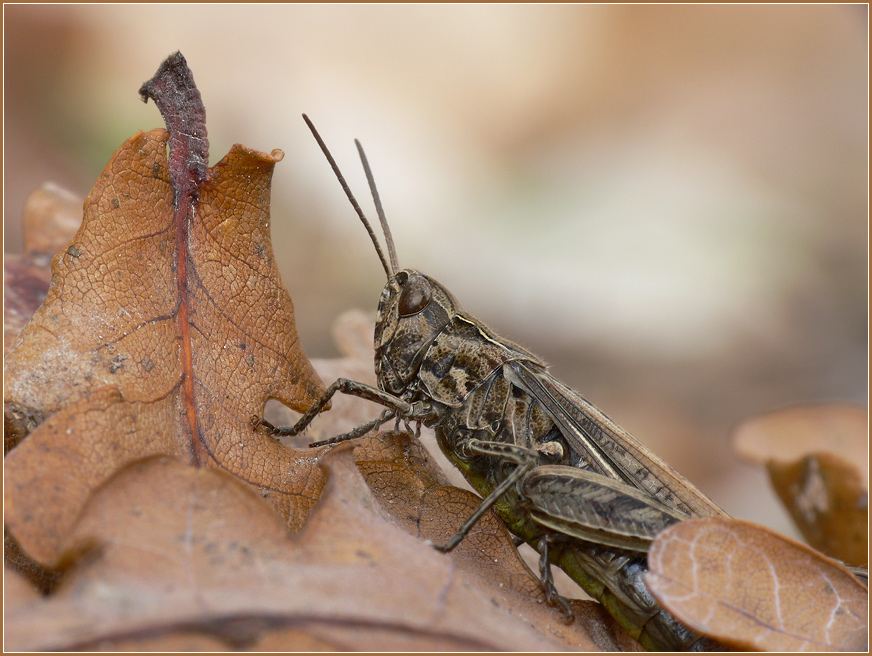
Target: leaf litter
[[164, 330], [139, 488]]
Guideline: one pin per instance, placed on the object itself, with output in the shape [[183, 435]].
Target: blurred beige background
[[668, 203]]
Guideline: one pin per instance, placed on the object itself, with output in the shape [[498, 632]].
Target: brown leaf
[[828, 500], [411, 488], [818, 463], [111, 316], [751, 588], [408, 485], [51, 217], [162, 332], [38, 577], [176, 552], [18, 591], [411, 491]]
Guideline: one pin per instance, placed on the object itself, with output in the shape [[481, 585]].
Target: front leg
[[396, 407]]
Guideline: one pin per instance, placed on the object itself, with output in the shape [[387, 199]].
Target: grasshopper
[[563, 477]]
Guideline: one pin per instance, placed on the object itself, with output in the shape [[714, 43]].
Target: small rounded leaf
[[751, 588], [817, 460]]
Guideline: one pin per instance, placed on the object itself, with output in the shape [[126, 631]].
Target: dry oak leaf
[[51, 217], [134, 363], [818, 462], [173, 551], [409, 487], [751, 588]]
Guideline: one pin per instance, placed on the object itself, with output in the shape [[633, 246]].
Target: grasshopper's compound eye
[[416, 295]]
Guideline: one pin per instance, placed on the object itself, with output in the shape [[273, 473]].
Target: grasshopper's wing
[[606, 447], [595, 508]]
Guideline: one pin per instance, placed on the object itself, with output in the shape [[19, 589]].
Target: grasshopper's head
[[412, 311], [413, 308]]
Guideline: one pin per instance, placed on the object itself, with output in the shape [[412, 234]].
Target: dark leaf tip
[[176, 95]]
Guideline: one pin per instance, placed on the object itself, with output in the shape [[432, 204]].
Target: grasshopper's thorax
[[412, 311]]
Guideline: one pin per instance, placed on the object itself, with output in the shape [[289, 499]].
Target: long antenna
[[388, 271], [389, 240]]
